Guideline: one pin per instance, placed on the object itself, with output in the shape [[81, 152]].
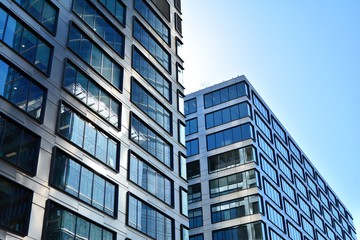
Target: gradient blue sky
[[303, 58]]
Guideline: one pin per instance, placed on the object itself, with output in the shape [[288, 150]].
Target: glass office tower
[[91, 116], [248, 179]]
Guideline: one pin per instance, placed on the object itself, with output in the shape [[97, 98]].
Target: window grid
[[278, 129], [284, 168], [116, 8], [229, 136], [294, 150], [195, 218], [233, 183], [282, 149], [190, 106], [63, 222], [192, 147], [15, 206], [191, 126], [153, 19]]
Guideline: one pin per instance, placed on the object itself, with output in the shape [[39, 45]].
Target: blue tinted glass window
[[294, 150], [227, 114], [22, 91], [282, 149], [103, 27], [19, 146], [192, 147], [195, 218], [266, 147], [92, 54], [261, 107], [278, 129], [215, 97], [269, 169], [151, 141], [83, 183], [65, 223], [150, 179], [263, 127], [150, 105], [190, 106], [253, 230], [42, 11], [191, 126], [144, 37], [152, 75], [233, 183], [15, 206], [25, 42], [72, 127], [116, 8], [153, 19], [229, 136], [91, 94], [141, 214], [275, 217]]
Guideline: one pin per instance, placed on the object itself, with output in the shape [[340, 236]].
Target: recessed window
[[294, 150], [150, 179], [231, 159], [179, 74], [184, 233], [265, 146], [141, 214], [190, 106], [116, 8], [181, 132], [191, 126], [181, 107], [88, 137], [193, 169], [179, 48], [22, 91], [150, 105], [183, 202], [91, 94], [63, 222], [178, 23], [194, 193], [151, 141], [97, 21], [145, 38], [83, 183], [153, 19], [19, 146], [253, 230], [182, 166], [275, 217], [269, 170], [192, 147], [151, 74], [229, 136], [263, 127], [25, 42], [195, 218], [15, 206], [272, 193], [226, 94], [86, 49], [261, 107]]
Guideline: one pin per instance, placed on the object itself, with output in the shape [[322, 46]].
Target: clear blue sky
[[303, 57]]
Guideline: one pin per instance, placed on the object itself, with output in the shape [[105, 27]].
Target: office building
[[248, 179], [91, 105]]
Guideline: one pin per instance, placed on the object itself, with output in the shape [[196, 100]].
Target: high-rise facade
[[248, 179], [92, 138]]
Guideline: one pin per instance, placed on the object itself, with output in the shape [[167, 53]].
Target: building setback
[[91, 105], [248, 179]]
